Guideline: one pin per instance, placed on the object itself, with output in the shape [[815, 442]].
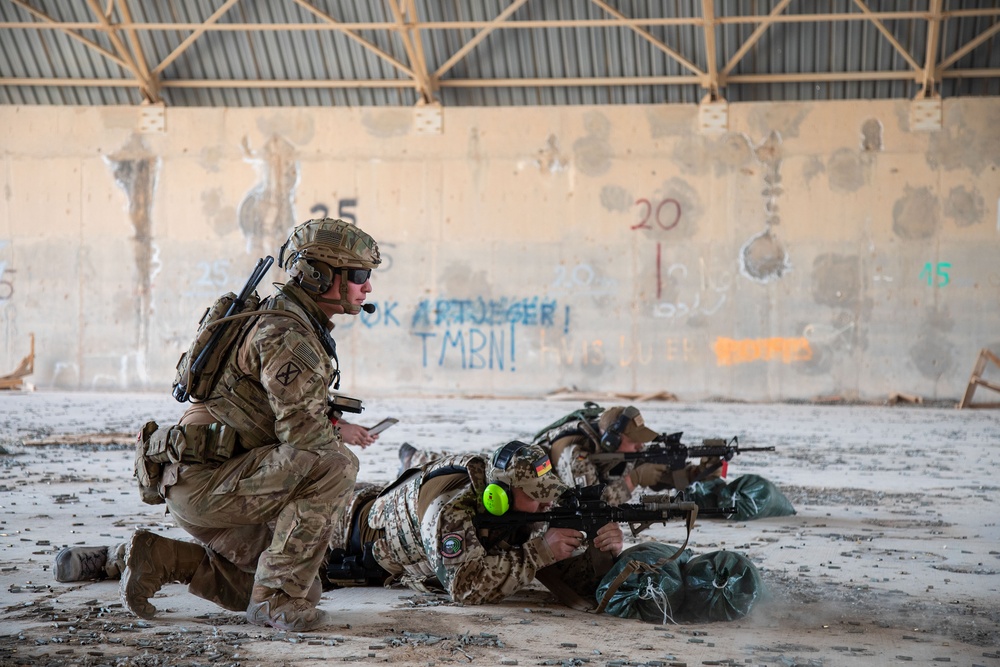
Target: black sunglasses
[[358, 276]]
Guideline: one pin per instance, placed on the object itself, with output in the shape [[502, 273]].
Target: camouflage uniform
[[266, 514], [426, 538]]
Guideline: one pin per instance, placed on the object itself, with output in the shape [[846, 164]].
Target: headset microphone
[[368, 308]]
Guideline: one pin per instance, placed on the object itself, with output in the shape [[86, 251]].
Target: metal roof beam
[[930, 60], [649, 38], [888, 35], [316, 11], [971, 44], [410, 34], [50, 22], [754, 38], [183, 46], [147, 84], [478, 37], [712, 70]]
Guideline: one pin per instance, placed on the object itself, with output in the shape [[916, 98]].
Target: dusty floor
[[893, 557]]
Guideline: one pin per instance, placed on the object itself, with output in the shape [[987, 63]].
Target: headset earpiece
[[314, 277], [611, 439]]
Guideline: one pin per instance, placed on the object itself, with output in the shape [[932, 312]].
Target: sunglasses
[[358, 276]]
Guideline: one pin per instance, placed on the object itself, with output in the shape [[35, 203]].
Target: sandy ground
[[893, 556]]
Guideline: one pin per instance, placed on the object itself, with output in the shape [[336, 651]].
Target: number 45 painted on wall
[[937, 270]]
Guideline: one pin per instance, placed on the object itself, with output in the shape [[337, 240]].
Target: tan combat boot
[[274, 608], [152, 561], [89, 563]]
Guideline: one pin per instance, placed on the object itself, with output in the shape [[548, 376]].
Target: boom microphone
[[368, 308]]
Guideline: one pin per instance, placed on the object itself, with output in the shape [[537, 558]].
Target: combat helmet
[[522, 466], [317, 249]]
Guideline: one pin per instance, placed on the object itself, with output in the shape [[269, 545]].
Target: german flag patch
[[542, 466]]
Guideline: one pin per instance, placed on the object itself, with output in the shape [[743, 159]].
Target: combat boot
[[88, 563], [274, 608], [152, 561]]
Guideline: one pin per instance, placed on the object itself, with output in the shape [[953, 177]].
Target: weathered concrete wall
[[815, 249]]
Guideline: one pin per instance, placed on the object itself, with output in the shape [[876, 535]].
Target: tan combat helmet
[[316, 249]]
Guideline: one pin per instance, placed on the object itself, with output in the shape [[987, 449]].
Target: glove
[[648, 474], [696, 472]]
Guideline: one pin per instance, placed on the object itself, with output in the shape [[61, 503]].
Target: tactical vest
[[397, 513], [239, 400], [557, 439]]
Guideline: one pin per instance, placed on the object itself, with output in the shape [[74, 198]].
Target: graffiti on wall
[[935, 274], [561, 350], [480, 333], [729, 352]]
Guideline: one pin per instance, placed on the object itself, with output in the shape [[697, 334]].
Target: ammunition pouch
[[147, 473], [241, 403], [192, 443]]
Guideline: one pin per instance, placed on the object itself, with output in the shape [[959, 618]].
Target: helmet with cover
[[317, 249], [517, 465]]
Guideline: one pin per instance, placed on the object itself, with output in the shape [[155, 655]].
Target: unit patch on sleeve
[[451, 545], [288, 373]]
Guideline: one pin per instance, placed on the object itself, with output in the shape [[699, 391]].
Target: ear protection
[[611, 439], [314, 277], [498, 495]]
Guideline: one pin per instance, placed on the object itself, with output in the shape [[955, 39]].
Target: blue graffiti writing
[[383, 315], [485, 312], [470, 349]]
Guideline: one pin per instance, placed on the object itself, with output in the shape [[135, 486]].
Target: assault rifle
[[669, 450], [182, 389], [582, 509]]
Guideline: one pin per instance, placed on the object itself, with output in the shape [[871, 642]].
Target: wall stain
[[297, 127], [616, 199], [592, 153], [965, 207], [784, 119], [689, 207], [763, 257], [915, 215], [135, 170], [550, 158], [971, 142], [836, 280], [388, 123], [813, 168], [221, 217], [871, 136], [666, 121], [846, 171], [266, 213], [692, 154], [733, 150]]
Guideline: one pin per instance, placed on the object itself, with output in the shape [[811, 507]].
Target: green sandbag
[[705, 494], [719, 586], [652, 596], [754, 498]]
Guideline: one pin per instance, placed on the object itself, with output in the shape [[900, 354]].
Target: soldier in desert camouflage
[[263, 516], [571, 444], [420, 533]]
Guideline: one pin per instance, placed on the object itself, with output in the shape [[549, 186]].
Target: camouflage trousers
[[265, 517]]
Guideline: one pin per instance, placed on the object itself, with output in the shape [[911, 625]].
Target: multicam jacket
[[442, 548], [275, 384]]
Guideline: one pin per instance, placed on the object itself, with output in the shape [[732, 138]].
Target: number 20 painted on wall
[[658, 214]]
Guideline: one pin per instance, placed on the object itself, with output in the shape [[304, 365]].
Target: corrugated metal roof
[[546, 52]]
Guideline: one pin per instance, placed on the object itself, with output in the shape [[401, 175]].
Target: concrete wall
[[813, 250]]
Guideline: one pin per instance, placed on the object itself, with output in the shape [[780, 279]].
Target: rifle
[[183, 386], [668, 449], [582, 509]]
